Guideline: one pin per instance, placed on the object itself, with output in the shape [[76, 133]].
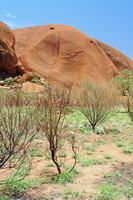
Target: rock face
[[120, 60], [63, 53], [32, 87], [26, 77], [59, 53], [8, 58]]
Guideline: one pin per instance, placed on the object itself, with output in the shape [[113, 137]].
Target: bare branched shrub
[[52, 109], [17, 129], [97, 102]]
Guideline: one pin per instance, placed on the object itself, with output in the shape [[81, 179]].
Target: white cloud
[[11, 24], [10, 15], [10, 20]]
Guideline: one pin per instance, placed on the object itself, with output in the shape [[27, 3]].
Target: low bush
[[98, 102], [8, 81]]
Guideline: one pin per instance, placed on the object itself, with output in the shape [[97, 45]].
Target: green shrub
[[65, 177], [108, 156], [107, 191], [98, 102], [35, 79], [8, 81]]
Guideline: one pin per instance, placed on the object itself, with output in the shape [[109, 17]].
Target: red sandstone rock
[[20, 69], [8, 57], [26, 77], [120, 60], [63, 53], [32, 87]]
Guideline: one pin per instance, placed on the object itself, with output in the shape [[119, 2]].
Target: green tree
[[124, 81]]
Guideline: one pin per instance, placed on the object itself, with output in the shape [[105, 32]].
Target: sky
[[110, 21]]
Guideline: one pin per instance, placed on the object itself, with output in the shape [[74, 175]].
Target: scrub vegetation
[[64, 139]]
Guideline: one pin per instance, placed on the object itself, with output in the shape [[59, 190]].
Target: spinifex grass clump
[[98, 102]]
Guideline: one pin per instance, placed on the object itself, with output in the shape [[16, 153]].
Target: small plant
[[49, 164], [127, 190], [35, 79], [39, 153], [89, 147], [8, 81], [62, 154], [108, 156], [127, 149], [48, 156], [85, 130], [17, 186], [46, 170], [107, 191], [65, 177], [71, 194], [5, 197], [100, 130], [115, 174], [89, 161], [117, 185], [107, 174], [117, 136], [68, 193], [20, 185], [99, 142], [120, 143]]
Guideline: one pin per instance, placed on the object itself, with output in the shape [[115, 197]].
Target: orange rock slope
[[63, 53]]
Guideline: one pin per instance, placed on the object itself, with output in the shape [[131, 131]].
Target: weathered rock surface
[[26, 77], [59, 53], [8, 58], [32, 87], [63, 53], [120, 60]]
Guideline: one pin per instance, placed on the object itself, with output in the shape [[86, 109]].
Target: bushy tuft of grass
[[65, 177], [37, 153], [89, 147], [99, 142], [71, 194], [120, 143], [19, 185], [108, 156], [87, 161], [128, 149], [8, 81], [107, 191]]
